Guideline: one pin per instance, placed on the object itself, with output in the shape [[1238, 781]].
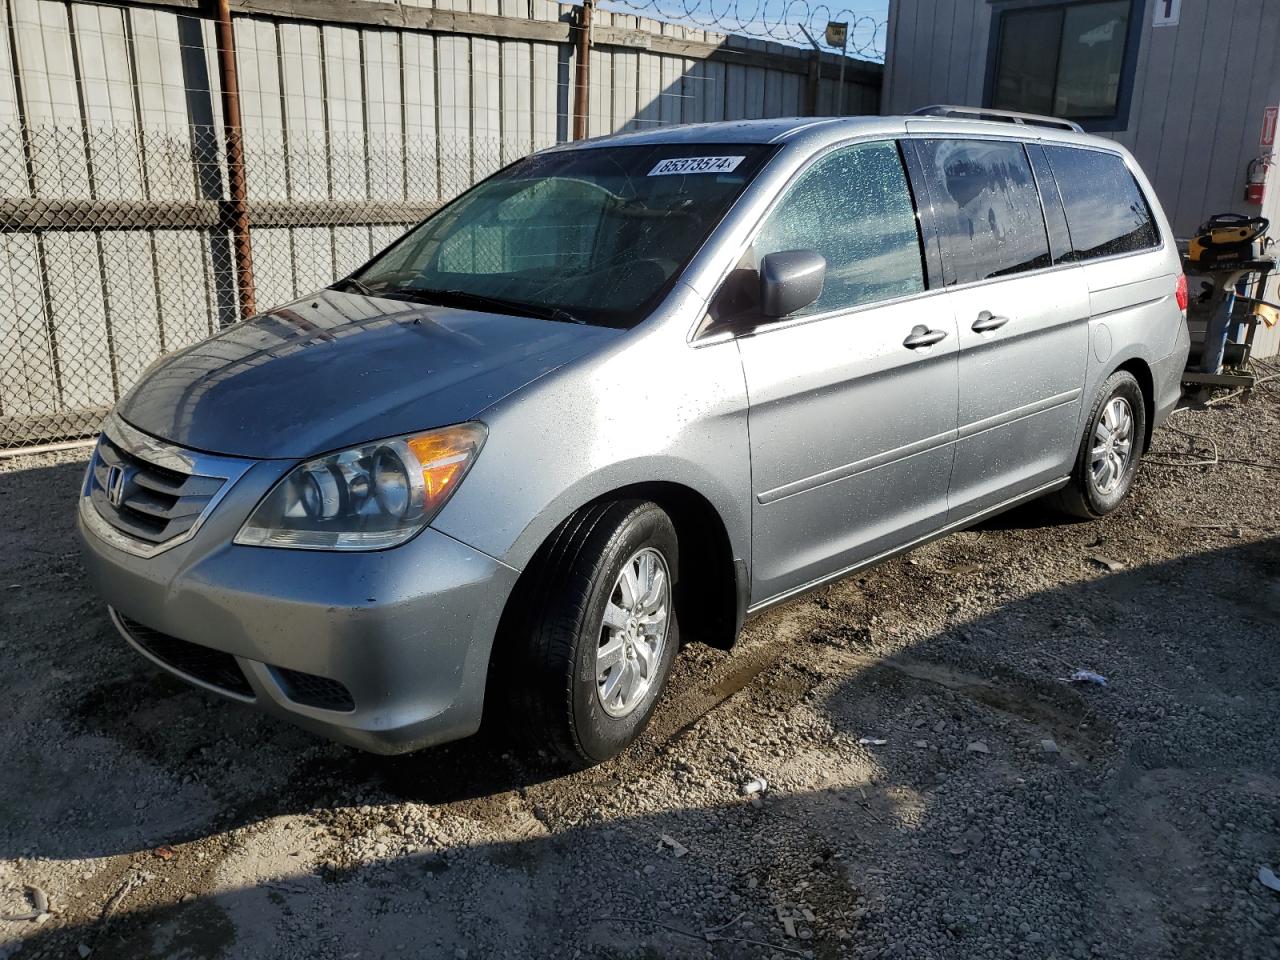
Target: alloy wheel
[[1112, 446], [633, 634]]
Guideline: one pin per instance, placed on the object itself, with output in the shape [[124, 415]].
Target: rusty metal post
[[236, 209], [813, 77], [582, 77]]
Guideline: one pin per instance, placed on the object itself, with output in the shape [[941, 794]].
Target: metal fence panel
[[114, 201]]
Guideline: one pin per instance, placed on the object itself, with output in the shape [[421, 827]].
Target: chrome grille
[[145, 496], [150, 502]]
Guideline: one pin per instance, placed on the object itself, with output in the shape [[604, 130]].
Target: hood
[[340, 369]]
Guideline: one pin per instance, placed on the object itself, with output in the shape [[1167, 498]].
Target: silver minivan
[[623, 394]]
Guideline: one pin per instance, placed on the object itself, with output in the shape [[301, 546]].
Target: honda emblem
[[115, 486]]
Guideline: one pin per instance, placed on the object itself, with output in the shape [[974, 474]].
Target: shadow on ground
[[962, 835]]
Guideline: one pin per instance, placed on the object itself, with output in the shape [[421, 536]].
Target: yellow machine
[[1228, 238]]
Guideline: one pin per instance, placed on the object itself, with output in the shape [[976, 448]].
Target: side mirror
[[790, 280]]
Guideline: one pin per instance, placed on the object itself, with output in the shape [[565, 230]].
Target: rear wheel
[[1107, 462], [598, 633]]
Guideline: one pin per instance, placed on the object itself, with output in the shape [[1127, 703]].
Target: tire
[[551, 681], [1096, 491]]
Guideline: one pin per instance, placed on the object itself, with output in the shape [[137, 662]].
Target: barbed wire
[[785, 21]]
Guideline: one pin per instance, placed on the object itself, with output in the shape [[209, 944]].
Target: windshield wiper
[[358, 285], [501, 304]]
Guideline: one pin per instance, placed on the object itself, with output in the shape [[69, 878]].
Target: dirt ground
[[1007, 812]]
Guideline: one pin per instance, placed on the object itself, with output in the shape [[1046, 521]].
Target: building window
[[1066, 59]]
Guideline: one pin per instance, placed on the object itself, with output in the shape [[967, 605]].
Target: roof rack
[[1001, 116]]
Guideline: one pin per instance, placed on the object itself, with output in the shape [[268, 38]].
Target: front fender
[[654, 409]]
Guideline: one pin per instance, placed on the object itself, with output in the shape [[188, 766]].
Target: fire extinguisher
[[1255, 187]]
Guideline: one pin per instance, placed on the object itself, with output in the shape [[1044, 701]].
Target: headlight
[[366, 498]]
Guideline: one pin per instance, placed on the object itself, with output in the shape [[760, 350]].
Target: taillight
[[1180, 291]]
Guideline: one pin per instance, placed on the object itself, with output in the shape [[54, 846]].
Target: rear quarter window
[[1107, 214]]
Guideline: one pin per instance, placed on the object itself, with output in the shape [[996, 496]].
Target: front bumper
[[406, 631]]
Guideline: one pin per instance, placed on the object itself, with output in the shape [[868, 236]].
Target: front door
[[853, 400]]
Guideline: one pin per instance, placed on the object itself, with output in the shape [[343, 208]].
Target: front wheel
[[1110, 451], [598, 634]]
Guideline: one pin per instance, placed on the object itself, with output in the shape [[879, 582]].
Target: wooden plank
[[131, 296], [344, 106], [79, 320], [383, 112], [755, 86], [693, 93], [187, 309], [312, 259], [670, 106], [773, 94], [385, 235], [550, 94], [735, 92], [13, 164], [517, 99], [58, 159], [714, 106], [28, 383], [623, 90], [304, 115], [261, 109], [486, 107], [600, 94], [420, 139], [350, 249], [162, 105], [106, 85], [453, 67], [272, 266], [648, 91], [793, 95]]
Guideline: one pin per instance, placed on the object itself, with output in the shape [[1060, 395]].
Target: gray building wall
[[1200, 90]]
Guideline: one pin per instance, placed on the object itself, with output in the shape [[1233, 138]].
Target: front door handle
[[922, 336], [988, 321]]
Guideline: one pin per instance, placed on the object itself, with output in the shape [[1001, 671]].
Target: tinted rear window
[[1106, 211], [987, 208]]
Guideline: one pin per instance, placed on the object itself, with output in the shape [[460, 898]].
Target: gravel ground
[[1006, 813]]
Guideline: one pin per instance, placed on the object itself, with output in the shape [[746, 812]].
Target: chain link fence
[[118, 228], [786, 21], [115, 247]]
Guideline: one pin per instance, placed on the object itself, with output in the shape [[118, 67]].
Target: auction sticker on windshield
[[695, 165]]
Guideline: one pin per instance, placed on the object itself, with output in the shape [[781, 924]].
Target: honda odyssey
[[622, 394]]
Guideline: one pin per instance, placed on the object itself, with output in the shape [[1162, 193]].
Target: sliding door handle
[[922, 336], [988, 321]]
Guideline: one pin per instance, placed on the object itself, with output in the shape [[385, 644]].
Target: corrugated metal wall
[[1200, 89], [112, 112]]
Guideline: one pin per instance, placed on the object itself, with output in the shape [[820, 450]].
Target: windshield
[[594, 236]]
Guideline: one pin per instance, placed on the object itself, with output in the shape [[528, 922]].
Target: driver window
[[549, 226], [854, 208]]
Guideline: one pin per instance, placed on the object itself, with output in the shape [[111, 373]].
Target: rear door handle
[[922, 336], [988, 321]]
